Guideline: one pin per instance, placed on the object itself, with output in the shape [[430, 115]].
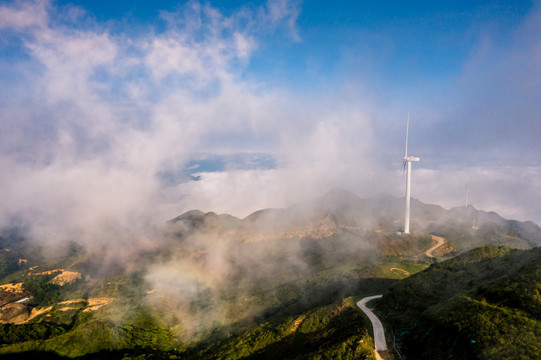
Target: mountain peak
[[340, 194], [188, 215]]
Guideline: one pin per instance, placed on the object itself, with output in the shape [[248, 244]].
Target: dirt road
[[439, 242]]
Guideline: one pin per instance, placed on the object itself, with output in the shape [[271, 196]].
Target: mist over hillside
[[341, 210], [205, 276], [165, 169], [338, 226]]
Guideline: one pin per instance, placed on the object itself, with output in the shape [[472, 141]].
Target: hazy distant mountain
[[341, 211]]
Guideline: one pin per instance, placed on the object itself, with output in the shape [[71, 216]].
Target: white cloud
[[245, 45], [168, 56], [104, 114], [24, 14], [95, 130], [284, 11]]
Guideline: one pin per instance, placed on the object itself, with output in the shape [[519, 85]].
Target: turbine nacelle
[[411, 158]]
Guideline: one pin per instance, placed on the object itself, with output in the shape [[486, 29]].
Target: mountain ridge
[[342, 209]]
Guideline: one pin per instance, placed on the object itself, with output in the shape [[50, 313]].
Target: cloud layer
[[93, 115]]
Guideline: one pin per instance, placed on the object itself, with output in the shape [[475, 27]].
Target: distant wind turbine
[[406, 165], [467, 194], [474, 226]]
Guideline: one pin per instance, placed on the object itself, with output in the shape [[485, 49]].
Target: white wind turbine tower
[[406, 165]]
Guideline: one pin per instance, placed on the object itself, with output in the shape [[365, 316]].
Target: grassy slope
[[484, 304], [128, 327], [329, 326], [335, 331], [92, 333]]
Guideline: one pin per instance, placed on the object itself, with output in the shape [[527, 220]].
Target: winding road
[[439, 242], [379, 335]]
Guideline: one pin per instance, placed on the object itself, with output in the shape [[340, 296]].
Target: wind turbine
[[467, 194], [406, 165]]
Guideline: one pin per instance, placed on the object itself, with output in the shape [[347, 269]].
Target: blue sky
[[397, 44], [233, 106]]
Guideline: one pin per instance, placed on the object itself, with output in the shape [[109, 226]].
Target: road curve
[[439, 242], [379, 334]]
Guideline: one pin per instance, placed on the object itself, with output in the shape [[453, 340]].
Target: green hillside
[[215, 286], [335, 331], [484, 304], [305, 318]]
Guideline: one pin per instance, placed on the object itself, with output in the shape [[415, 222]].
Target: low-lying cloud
[[94, 114]]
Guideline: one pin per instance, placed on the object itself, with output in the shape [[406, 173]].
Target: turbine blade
[[404, 163], [407, 131]]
